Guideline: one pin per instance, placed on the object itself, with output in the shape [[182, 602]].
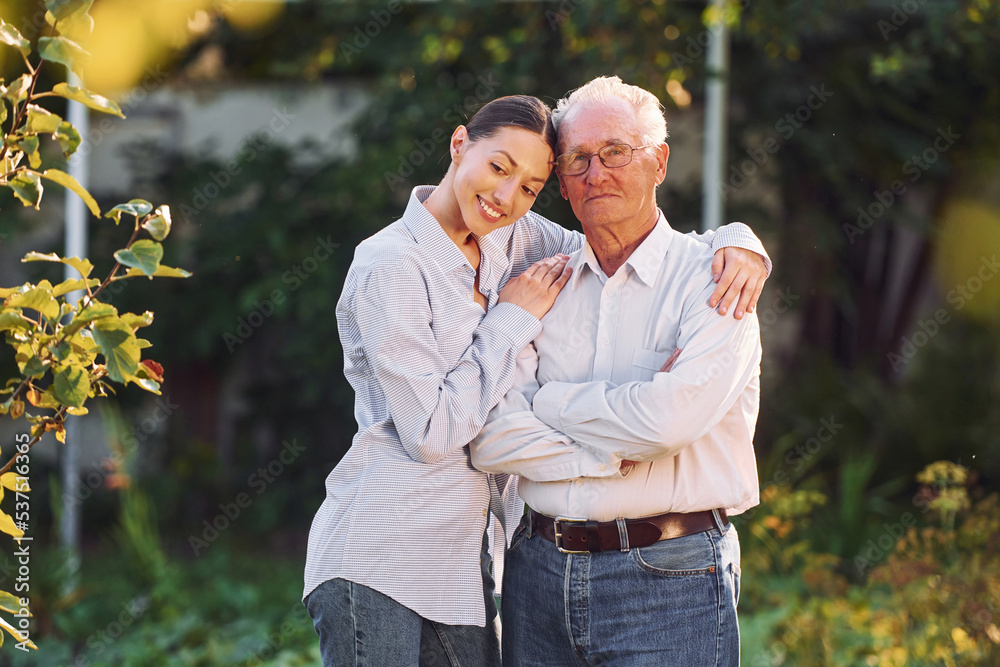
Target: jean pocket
[[692, 555], [520, 534]]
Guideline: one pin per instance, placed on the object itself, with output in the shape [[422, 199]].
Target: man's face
[[619, 197]]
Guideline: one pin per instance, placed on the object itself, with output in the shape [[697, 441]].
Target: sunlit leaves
[[144, 255], [70, 183], [10, 35], [161, 272], [82, 265], [136, 207], [27, 188], [88, 98], [17, 91], [73, 285], [67, 9], [71, 386], [158, 225], [119, 347], [38, 298], [68, 138], [64, 51], [41, 120]]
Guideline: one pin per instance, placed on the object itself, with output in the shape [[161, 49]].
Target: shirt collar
[[429, 234], [645, 260]]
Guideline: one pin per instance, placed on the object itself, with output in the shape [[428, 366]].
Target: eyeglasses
[[612, 157]]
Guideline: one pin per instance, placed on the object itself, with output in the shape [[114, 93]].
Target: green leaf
[[17, 91], [65, 9], [68, 138], [78, 28], [27, 188], [161, 272], [72, 384], [41, 120], [136, 207], [29, 146], [138, 321], [10, 35], [92, 100], [34, 367], [144, 255], [13, 320], [64, 51], [10, 160], [9, 602], [62, 350], [147, 384], [158, 225], [67, 181], [38, 298], [119, 347], [73, 284], [82, 265], [91, 313]]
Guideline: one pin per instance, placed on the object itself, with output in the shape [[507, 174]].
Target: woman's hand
[[741, 273], [536, 289]]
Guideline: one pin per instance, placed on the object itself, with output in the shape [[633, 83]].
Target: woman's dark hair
[[524, 111]]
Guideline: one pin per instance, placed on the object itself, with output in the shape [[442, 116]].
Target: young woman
[[435, 309]]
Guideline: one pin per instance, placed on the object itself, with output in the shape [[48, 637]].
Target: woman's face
[[497, 178]]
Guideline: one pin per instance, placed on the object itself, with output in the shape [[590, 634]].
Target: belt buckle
[[558, 534]]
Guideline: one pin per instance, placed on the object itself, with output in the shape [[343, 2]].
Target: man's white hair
[[651, 124]]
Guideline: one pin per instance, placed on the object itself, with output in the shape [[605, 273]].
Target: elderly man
[[631, 425]]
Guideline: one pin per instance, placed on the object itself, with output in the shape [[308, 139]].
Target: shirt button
[[604, 342], [484, 512], [600, 467], [579, 482]]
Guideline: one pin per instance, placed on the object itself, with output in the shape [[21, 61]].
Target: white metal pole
[[76, 246], [716, 92]]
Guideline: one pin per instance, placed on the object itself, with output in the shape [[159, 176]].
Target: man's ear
[[459, 140], [662, 154], [562, 186]]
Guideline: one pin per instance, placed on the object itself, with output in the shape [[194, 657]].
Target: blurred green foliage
[[931, 597]]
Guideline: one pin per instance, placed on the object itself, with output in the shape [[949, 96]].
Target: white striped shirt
[[405, 511]]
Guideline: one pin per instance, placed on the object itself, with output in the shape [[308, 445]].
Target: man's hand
[[739, 273]]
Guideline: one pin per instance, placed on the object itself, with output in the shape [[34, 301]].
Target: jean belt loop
[[719, 523], [529, 517], [622, 534]]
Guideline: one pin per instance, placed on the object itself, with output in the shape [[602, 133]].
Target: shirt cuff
[[514, 323], [739, 235]]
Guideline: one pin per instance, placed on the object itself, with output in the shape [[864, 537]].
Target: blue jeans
[[360, 627], [669, 604]]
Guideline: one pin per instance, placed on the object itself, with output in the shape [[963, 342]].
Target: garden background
[[863, 147]]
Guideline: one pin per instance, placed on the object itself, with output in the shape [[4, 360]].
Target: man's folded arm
[[515, 441], [646, 421]]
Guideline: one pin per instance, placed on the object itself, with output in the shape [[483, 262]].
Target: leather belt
[[574, 536]]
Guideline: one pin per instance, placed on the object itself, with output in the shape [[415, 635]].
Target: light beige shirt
[[588, 393]]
